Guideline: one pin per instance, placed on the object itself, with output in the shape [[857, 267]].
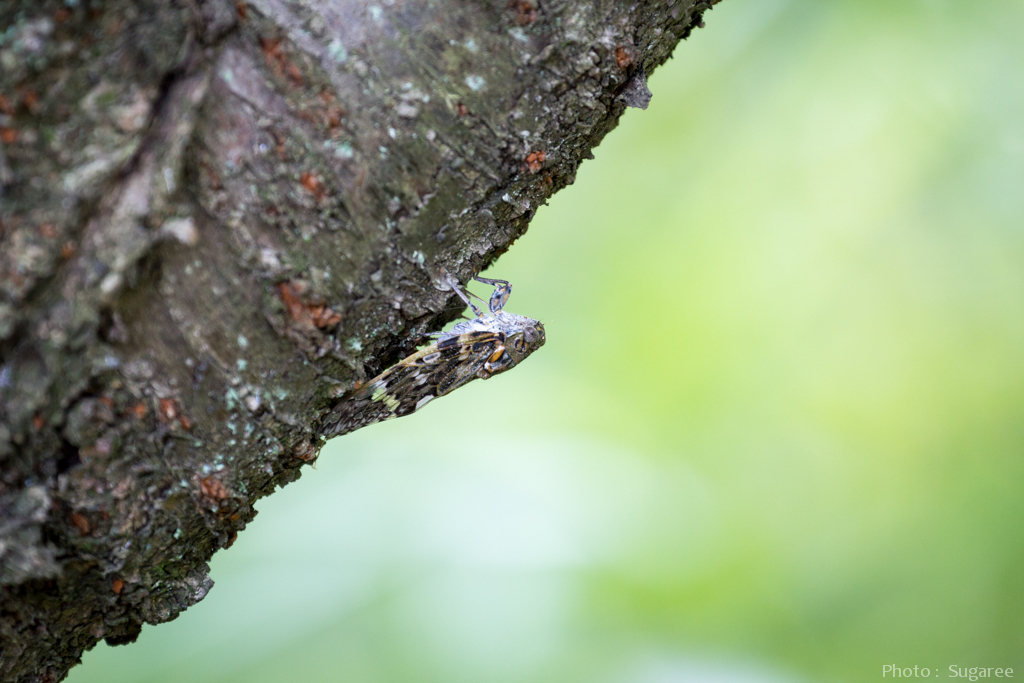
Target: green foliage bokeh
[[776, 432]]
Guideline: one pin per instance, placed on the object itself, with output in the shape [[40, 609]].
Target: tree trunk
[[217, 219]]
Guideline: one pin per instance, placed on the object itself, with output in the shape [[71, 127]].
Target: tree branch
[[217, 218]]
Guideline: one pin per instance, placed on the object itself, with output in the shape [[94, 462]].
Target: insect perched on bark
[[482, 347]]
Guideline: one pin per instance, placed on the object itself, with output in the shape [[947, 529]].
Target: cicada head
[[526, 340]]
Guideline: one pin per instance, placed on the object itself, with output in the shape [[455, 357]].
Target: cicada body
[[479, 348]]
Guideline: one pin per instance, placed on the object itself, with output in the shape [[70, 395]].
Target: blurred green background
[[776, 433]]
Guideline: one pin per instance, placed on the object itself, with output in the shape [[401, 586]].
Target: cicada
[[479, 348]]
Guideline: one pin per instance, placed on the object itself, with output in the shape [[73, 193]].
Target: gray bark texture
[[219, 217]]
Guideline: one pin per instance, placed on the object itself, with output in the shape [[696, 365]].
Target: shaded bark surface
[[216, 219]]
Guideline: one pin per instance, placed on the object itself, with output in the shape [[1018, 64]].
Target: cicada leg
[[499, 296], [462, 295]]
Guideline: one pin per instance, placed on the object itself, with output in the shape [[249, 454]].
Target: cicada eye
[[531, 335]]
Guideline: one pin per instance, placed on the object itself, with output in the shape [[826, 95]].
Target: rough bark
[[217, 218]]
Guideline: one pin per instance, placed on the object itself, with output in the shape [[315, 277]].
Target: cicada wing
[[410, 384]]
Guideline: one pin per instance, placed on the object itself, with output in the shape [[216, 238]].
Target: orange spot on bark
[[67, 250], [278, 61], [38, 421], [8, 135], [211, 488], [168, 409], [271, 47], [525, 12], [306, 313], [290, 293], [81, 523], [461, 109], [313, 185], [324, 317], [623, 57], [535, 160], [333, 112], [118, 586]]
